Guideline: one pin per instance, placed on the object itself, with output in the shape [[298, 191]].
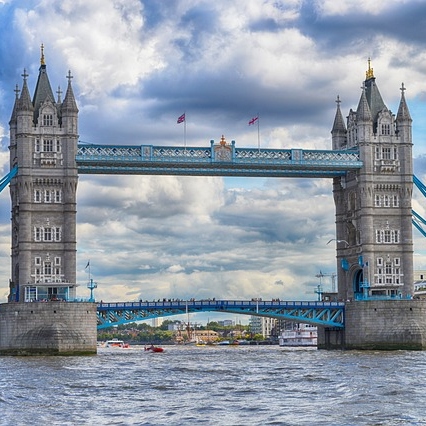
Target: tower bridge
[[370, 164]]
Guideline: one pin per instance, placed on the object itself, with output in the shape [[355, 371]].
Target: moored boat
[[300, 335]]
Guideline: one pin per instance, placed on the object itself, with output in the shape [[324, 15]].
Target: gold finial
[[223, 141], [369, 73], [42, 55]]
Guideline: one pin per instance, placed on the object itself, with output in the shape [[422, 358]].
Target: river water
[[215, 385]]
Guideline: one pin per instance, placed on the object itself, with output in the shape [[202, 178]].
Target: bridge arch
[[358, 279], [327, 314]]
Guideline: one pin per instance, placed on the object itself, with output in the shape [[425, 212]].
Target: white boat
[[115, 343], [299, 335]]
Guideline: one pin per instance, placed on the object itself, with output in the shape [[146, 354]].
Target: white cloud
[[100, 40], [346, 7]]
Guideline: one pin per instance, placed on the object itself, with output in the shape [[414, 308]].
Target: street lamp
[[91, 286], [339, 241]]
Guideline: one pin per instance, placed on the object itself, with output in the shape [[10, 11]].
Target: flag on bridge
[[88, 264], [253, 120], [181, 119]]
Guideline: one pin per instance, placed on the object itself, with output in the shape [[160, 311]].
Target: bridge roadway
[[329, 314]]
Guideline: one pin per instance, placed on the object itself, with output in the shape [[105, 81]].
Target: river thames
[[215, 385]]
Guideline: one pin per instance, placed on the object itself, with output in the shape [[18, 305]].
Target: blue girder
[[205, 161], [6, 179], [328, 314], [418, 220]]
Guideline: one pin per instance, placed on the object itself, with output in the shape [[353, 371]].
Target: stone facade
[[43, 143], [379, 325], [40, 318], [373, 205], [51, 328], [374, 230]]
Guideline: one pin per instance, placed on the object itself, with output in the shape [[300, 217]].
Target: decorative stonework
[[377, 223]]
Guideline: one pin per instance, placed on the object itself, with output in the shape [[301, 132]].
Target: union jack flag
[[253, 120]]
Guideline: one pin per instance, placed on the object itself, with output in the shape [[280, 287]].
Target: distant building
[[419, 275], [206, 336], [420, 284], [226, 323], [262, 325], [156, 322], [175, 326]]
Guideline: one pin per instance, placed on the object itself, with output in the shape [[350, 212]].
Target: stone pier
[[379, 325], [48, 328]]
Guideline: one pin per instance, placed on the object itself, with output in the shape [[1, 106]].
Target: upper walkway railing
[[216, 160], [330, 314]]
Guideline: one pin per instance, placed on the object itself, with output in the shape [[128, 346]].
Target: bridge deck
[[330, 314], [205, 161]]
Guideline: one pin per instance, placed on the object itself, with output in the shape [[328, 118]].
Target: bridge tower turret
[[43, 144], [373, 204]]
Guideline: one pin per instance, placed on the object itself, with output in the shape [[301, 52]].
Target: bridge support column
[[51, 328], [379, 325], [331, 338]]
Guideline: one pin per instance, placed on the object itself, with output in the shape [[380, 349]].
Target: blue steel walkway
[[214, 160], [329, 314]]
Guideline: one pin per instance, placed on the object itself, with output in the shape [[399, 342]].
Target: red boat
[[153, 348]]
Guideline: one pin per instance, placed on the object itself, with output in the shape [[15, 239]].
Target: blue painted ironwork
[[329, 314], [418, 220], [6, 179], [216, 160]]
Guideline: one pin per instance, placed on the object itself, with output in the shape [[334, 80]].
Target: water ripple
[[215, 386]]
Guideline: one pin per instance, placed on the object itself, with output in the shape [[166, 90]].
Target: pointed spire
[[25, 103], [372, 93], [339, 124], [43, 90], [69, 104], [59, 93], [363, 112], [15, 105], [16, 92], [403, 112]]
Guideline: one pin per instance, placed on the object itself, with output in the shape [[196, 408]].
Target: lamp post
[[91, 286], [319, 291]]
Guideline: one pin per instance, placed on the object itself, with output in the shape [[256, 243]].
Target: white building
[[262, 325]]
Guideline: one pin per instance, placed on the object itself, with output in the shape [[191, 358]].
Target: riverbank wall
[[50, 328], [379, 325]]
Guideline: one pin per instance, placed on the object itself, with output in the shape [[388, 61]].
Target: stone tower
[[43, 143], [373, 204]]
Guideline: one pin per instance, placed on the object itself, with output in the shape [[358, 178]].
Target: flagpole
[[184, 131], [258, 132], [88, 266]]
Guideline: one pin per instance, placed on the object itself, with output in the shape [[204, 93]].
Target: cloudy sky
[[139, 64]]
